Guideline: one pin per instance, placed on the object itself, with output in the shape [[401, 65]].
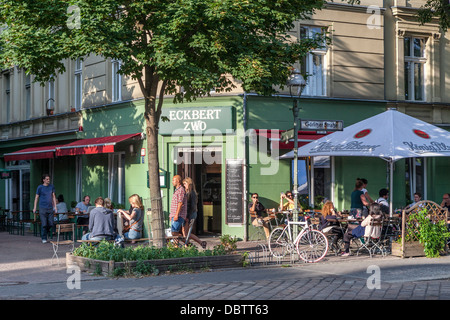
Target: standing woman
[[192, 201], [45, 195], [359, 200], [134, 217]]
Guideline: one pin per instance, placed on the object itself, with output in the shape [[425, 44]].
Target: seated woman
[[326, 222], [133, 217], [365, 229]]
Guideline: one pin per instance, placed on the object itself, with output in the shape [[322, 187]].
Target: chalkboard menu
[[234, 191]]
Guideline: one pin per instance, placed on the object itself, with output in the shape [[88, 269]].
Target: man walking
[[45, 194], [178, 206]]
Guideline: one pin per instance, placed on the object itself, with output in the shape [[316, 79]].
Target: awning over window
[[83, 146], [93, 145], [274, 136], [32, 153]]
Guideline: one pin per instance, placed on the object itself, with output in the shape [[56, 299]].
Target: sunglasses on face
[[255, 197]]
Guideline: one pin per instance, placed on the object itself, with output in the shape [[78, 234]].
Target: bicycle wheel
[[278, 242], [312, 246]]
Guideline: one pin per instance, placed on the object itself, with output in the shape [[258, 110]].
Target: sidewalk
[[26, 259]]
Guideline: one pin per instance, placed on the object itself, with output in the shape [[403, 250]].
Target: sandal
[[203, 244]]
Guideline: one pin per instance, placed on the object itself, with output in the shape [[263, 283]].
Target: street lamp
[[296, 84]]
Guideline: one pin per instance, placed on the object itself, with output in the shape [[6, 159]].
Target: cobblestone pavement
[[26, 273]]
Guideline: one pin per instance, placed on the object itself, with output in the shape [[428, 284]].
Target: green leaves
[[432, 234], [107, 251], [188, 43]]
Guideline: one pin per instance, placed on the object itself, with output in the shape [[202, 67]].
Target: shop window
[[314, 180], [414, 51], [116, 177], [313, 65], [17, 189], [414, 178]]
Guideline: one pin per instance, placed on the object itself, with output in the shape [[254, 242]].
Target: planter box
[[412, 249], [192, 263]]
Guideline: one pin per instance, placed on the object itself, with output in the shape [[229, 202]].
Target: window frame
[[410, 62], [307, 65]]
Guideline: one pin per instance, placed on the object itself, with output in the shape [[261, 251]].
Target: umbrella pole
[[391, 181]]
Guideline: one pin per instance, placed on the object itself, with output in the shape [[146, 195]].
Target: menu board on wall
[[234, 191]]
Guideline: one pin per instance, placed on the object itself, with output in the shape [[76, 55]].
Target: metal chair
[[62, 229], [373, 245]]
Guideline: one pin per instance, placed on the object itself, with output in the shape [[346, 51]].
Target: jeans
[[176, 225], [132, 234], [46, 216]]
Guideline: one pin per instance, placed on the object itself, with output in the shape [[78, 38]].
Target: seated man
[[257, 209], [382, 200], [101, 223], [82, 209], [289, 205]]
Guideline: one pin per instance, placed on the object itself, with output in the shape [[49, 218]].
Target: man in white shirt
[[382, 200]]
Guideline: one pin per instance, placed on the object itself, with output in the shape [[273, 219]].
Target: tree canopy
[[164, 45]]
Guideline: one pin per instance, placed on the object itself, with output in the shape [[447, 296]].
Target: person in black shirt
[[256, 209]]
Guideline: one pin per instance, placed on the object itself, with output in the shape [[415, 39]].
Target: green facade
[[264, 173]]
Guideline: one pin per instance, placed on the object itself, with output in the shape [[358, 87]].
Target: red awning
[[93, 145], [32, 153], [274, 135]]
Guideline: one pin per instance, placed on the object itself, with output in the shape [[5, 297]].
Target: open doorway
[[204, 166]]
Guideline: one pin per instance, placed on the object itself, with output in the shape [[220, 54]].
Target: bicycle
[[311, 244]]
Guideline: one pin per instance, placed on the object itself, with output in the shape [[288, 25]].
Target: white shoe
[[44, 241]]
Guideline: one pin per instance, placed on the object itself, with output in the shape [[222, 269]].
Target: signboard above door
[[196, 120]]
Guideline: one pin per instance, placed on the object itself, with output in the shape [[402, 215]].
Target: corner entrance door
[[204, 166], [19, 190]]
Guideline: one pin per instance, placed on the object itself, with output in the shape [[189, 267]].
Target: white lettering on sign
[[195, 114]]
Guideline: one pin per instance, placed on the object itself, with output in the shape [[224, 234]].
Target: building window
[[50, 104], [27, 96], [116, 177], [7, 97], [313, 65], [78, 84], [116, 81], [415, 60]]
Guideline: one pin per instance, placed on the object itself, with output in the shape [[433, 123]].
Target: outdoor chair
[[61, 230], [370, 244]]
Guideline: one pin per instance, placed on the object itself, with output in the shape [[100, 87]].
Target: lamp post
[[295, 81]]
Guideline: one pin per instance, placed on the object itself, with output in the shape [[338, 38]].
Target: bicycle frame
[[305, 224]]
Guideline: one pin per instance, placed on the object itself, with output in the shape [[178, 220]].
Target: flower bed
[[105, 258]]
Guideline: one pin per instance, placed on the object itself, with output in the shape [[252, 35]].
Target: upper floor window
[[27, 96], [78, 83], [50, 104], [7, 83], [116, 81], [414, 49], [313, 65]]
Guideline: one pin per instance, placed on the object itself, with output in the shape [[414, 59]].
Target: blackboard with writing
[[234, 192]]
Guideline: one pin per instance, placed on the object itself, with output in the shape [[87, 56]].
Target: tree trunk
[[157, 222]]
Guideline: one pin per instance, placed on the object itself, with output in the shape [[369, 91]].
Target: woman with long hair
[[133, 217], [192, 200]]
